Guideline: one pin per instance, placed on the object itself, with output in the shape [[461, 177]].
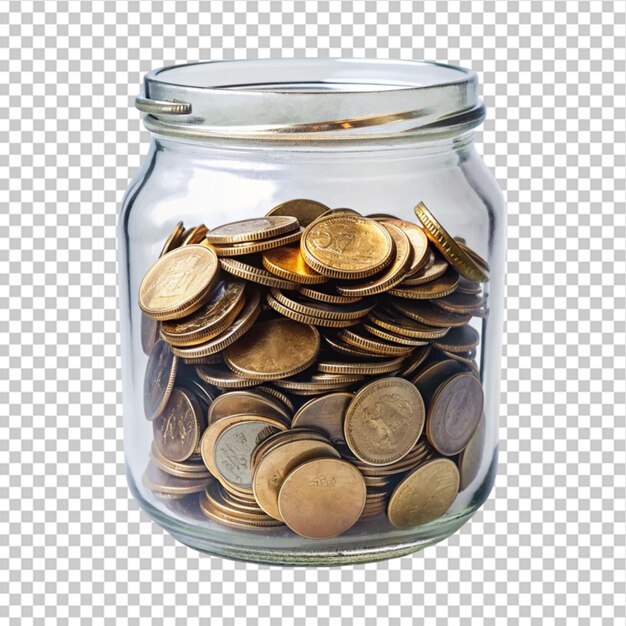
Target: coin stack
[[314, 367]]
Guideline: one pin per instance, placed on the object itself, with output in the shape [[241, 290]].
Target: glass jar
[[319, 387]]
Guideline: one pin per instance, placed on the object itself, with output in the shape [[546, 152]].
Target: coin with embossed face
[[322, 498], [177, 430], [178, 283], [384, 421], [346, 246], [424, 495], [159, 379]]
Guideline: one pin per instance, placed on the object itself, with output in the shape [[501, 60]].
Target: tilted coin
[[462, 304], [241, 269], [414, 361], [312, 320], [328, 295], [233, 449], [364, 367], [392, 337], [471, 457], [273, 467], [238, 328], [454, 413], [434, 374], [174, 239], [384, 421], [362, 339], [419, 243], [178, 283], [468, 361], [434, 268], [424, 495], [159, 379], [459, 339], [306, 211], [435, 289], [190, 470], [224, 378], [213, 317], [254, 229], [325, 413], [316, 487], [278, 395], [149, 333], [194, 235], [276, 348], [322, 309], [451, 250], [252, 247], [346, 246], [475, 256], [287, 262], [277, 439], [299, 384], [468, 287], [397, 322], [155, 479], [341, 347], [392, 275], [382, 216], [425, 312], [203, 391], [245, 403], [177, 430]]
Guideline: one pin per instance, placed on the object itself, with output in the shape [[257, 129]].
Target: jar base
[[352, 552]]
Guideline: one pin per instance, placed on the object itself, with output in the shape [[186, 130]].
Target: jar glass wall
[[259, 134]]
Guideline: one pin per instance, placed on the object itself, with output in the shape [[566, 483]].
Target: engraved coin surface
[[384, 421], [252, 230], [233, 449], [274, 349], [325, 413], [347, 246], [159, 379], [317, 487], [178, 283], [306, 211], [177, 429], [424, 495], [454, 413]]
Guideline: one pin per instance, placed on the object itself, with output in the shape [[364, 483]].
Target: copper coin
[[325, 413], [177, 430], [245, 403], [155, 479], [254, 229], [454, 413], [306, 211], [425, 312], [459, 339], [159, 379], [424, 495], [272, 468], [276, 348], [384, 421], [435, 289], [362, 339], [314, 489]]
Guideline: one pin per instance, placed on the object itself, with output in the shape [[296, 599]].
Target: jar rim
[[311, 99]]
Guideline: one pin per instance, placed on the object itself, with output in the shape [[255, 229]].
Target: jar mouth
[[311, 99]]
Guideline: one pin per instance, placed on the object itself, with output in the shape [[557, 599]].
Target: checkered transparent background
[[549, 545]]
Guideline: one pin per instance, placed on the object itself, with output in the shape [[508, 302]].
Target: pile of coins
[[313, 368]]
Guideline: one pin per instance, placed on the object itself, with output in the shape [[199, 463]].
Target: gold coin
[[177, 430], [338, 345], [384, 421], [454, 413], [366, 368], [430, 377], [434, 268], [323, 310], [382, 216], [317, 487], [299, 385], [159, 379], [155, 479], [470, 459], [215, 429], [255, 229], [426, 312], [211, 319], [362, 339], [211, 359], [245, 403], [174, 239], [277, 439], [327, 296], [287, 262], [462, 304], [387, 335], [255, 274], [401, 325], [180, 470], [424, 495], [347, 246], [475, 256], [325, 413], [276, 348], [279, 395], [149, 333], [413, 362], [222, 500], [233, 449], [224, 378], [459, 339], [393, 274], [468, 287], [194, 235], [237, 249], [234, 519], [274, 466], [307, 319], [435, 289], [468, 361], [465, 264], [418, 240], [241, 325], [305, 211], [178, 283]]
